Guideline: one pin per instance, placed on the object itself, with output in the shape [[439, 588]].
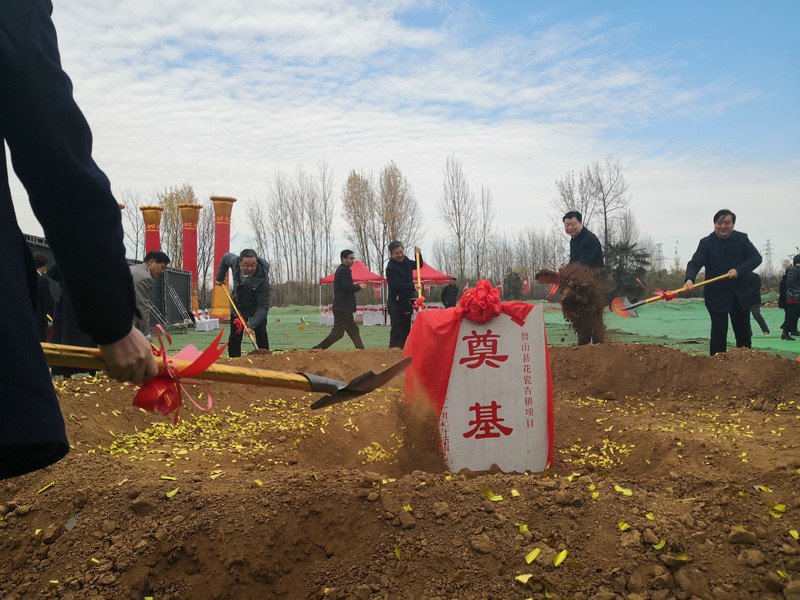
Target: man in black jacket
[[344, 304], [732, 252], [585, 249], [51, 150], [251, 294], [402, 290], [450, 294], [45, 305]]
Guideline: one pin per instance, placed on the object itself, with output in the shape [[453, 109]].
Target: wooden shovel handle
[[91, 358]]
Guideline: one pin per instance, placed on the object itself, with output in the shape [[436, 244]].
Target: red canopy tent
[[361, 274], [431, 276]]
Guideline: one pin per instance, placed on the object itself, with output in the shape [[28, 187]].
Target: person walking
[[344, 304], [402, 289], [754, 281], [251, 294], [730, 252]]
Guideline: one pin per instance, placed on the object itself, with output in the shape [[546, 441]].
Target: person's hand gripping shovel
[[242, 322]]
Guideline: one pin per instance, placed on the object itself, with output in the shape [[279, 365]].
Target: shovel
[[238, 314], [624, 308], [338, 391]]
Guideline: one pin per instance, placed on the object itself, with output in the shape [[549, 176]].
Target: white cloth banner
[[496, 408]]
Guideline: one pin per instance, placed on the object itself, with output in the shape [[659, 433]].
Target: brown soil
[[584, 295], [276, 501]]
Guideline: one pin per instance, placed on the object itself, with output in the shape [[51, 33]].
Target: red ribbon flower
[[482, 303], [419, 303], [163, 393], [239, 324], [668, 295]]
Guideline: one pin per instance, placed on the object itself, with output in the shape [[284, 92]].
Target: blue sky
[[698, 100]]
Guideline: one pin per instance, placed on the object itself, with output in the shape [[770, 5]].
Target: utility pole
[[658, 258], [768, 259]]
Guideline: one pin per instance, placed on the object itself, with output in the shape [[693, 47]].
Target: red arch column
[[152, 222], [223, 206], [190, 213]]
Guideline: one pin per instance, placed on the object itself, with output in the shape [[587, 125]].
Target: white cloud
[[220, 94]]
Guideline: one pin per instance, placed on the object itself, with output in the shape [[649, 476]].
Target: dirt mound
[[674, 476]]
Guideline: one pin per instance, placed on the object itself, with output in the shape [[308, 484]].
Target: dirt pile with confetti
[[674, 476]]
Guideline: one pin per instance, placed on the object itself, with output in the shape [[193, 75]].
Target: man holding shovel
[[730, 252], [251, 295], [51, 148]]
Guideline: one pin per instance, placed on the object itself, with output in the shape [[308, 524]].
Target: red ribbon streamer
[[163, 393], [668, 295]]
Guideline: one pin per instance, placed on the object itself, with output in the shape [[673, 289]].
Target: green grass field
[[682, 324]]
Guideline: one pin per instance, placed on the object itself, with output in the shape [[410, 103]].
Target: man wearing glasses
[[731, 252]]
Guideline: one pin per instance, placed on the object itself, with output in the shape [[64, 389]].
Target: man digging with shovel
[[251, 295]]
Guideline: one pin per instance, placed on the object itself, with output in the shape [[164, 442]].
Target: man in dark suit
[[344, 304], [44, 304], [450, 294], [585, 249], [51, 149], [732, 252]]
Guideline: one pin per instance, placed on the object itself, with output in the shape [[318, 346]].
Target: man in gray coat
[[154, 264]]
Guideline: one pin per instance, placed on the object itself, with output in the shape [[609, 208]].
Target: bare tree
[[457, 208], [575, 195], [257, 219], [327, 205], [398, 210], [360, 213], [609, 192], [205, 253], [133, 222], [171, 222], [482, 233]]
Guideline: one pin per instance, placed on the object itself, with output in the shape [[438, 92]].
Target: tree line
[[295, 229]]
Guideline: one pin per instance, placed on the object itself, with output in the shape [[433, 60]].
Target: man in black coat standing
[[402, 289], [344, 304], [450, 294], [585, 249], [732, 252]]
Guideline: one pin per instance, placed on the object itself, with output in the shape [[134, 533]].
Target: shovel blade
[[363, 384], [624, 308]]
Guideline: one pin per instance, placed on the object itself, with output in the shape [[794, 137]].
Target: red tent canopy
[[432, 276], [361, 274]]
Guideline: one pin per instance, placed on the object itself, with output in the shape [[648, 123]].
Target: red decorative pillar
[[190, 213], [223, 205], [152, 222]]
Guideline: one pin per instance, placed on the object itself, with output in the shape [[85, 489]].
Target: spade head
[[624, 308]]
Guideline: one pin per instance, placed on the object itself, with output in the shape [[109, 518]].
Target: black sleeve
[[51, 152]]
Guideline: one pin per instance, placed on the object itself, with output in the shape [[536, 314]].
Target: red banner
[[526, 285]]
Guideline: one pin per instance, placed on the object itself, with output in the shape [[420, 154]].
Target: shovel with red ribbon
[[624, 308], [164, 393], [239, 322]]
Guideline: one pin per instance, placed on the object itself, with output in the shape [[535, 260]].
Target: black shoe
[[794, 333], [786, 336]]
